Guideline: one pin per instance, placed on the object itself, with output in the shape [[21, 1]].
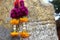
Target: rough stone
[[41, 23]]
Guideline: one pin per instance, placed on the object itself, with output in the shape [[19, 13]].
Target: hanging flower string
[[18, 15]]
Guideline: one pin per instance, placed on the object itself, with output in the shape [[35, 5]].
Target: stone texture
[[41, 23]]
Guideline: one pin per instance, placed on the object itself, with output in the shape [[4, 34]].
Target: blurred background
[[56, 4]]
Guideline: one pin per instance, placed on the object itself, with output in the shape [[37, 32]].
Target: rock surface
[[41, 23]]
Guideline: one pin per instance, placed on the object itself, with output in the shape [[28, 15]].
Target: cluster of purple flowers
[[18, 12]]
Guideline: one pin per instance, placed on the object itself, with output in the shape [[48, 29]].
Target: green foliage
[[56, 4]]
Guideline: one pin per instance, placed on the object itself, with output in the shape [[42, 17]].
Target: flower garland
[[18, 15]]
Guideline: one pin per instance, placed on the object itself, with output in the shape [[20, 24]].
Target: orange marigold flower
[[24, 34], [14, 34], [25, 19], [14, 21]]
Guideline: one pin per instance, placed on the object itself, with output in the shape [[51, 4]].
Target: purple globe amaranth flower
[[16, 6], [19, 12], [15, 13], [24, 11], [22, 3]]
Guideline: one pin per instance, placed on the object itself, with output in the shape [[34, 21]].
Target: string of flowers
[[19, 15]]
